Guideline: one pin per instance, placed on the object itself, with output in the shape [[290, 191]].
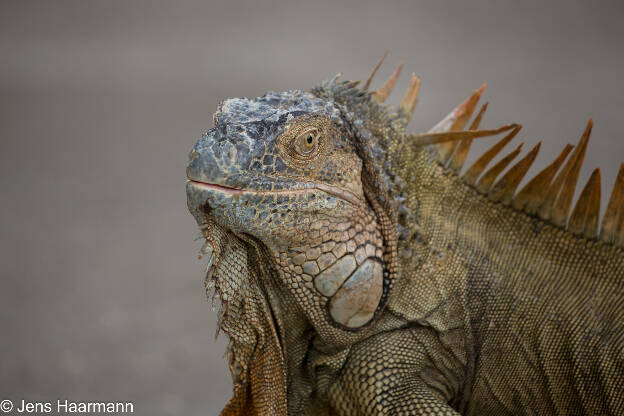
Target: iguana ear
[[354, 303]]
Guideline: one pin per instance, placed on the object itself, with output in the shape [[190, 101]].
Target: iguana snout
[[232, 176]]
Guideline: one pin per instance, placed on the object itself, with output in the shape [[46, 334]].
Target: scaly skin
[[359, 275]]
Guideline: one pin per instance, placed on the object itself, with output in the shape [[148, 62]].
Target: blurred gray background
[[101, 292]]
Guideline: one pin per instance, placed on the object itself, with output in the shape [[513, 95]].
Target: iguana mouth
[[217, 187], [332, 190]]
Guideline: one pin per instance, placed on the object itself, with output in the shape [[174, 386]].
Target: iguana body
[[360, 273]]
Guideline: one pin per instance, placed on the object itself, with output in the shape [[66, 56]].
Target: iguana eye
[[305, 139], [307, 142]]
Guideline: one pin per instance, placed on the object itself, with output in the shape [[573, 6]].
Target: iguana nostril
[[194, 154], [220, 132], [231, 153]]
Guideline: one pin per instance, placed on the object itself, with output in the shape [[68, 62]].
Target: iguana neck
[[428, 246]]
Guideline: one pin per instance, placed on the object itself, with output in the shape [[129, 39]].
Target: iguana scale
[[362, 271]]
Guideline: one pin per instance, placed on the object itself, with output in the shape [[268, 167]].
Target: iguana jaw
[[276, 215]]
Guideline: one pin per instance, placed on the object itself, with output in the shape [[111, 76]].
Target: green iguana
[[361, 272]]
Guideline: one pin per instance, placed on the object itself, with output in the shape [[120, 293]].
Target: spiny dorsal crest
[[380, 130]]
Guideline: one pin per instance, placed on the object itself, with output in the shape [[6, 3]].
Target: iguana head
[[285, 169], [313, 177]]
